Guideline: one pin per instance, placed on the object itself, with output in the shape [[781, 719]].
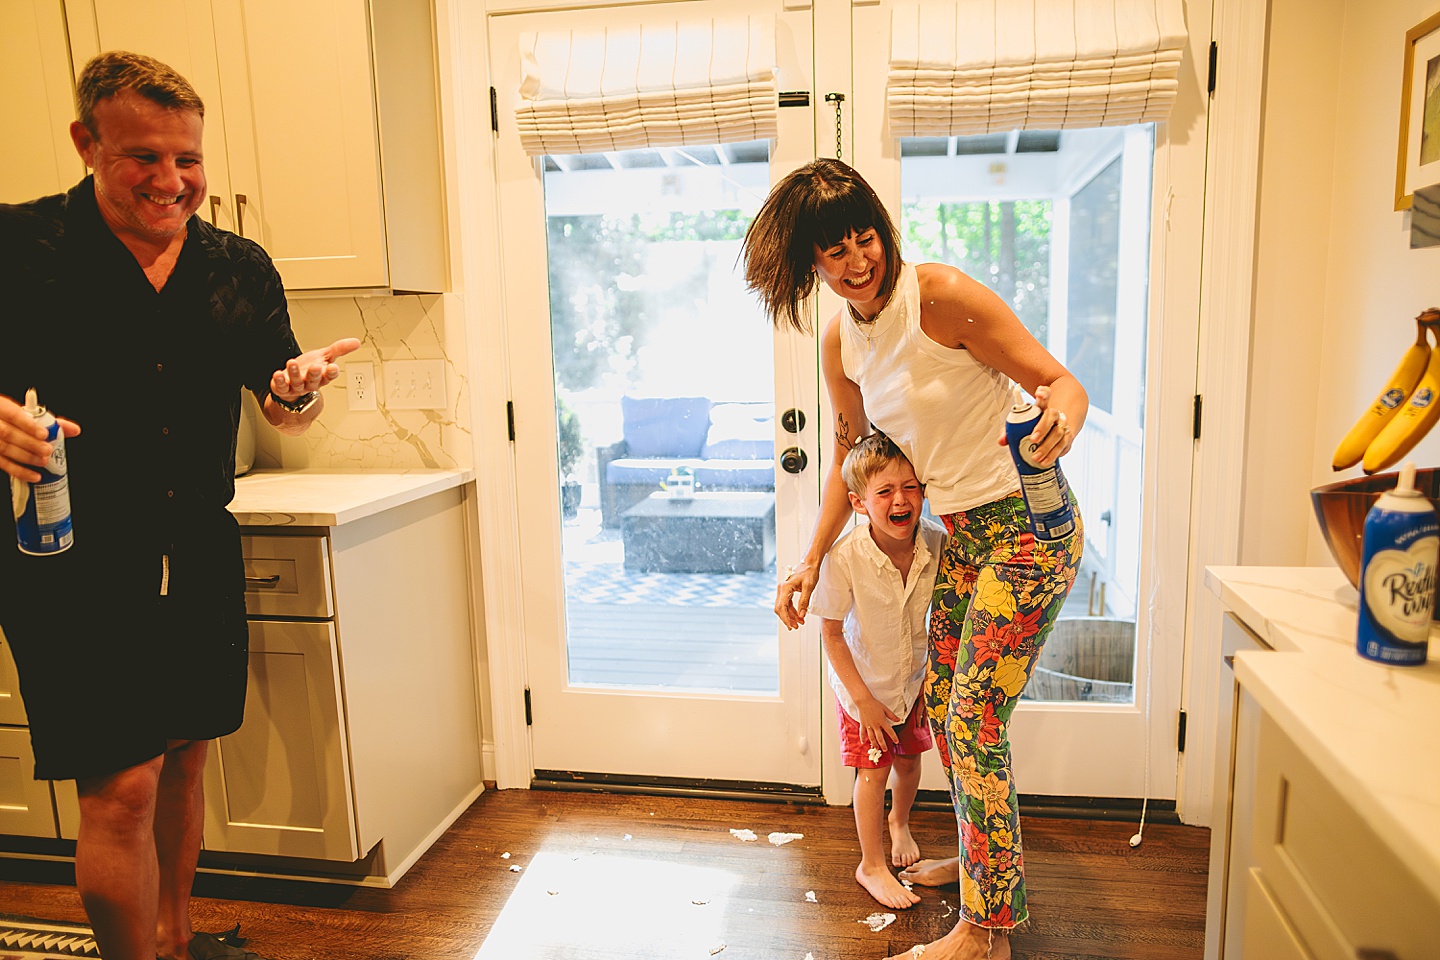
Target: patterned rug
[[22, 938], [612, 583]]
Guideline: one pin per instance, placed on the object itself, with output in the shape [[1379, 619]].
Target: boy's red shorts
[[914, 736]]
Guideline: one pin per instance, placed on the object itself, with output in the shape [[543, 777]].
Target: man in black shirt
[[140, 321]]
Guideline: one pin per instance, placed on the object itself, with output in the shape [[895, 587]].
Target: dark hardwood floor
[[608, 876]]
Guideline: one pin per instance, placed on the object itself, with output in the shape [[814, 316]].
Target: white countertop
[[328, 498], [1373, 729]]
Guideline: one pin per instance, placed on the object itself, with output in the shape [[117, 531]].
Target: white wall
[[1337, 287]]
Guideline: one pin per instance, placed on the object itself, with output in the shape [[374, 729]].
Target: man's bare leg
[[874, 873], [904, 783], [115, 866], [179, 823], [965, 942], [933, 873]]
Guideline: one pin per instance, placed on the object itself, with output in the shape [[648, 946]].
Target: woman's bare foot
[[933, 873], [965, 942], [883, 886], [903, 849]]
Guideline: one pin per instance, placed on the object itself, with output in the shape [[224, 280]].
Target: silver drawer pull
[[269, 581]]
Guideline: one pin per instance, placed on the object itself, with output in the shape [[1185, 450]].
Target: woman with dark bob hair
[[932, 358]]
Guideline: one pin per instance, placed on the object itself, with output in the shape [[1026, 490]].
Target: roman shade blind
[[960, 67], [656, 85]]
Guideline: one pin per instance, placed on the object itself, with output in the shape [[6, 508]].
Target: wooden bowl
[[1340, 509]]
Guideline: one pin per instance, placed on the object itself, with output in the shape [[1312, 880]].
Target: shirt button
[[169, 493], [165, 430], [159, 368]]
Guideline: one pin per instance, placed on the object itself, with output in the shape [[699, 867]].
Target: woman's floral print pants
[[997, 596]]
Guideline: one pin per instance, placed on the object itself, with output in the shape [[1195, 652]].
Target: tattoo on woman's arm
[[842, 434]]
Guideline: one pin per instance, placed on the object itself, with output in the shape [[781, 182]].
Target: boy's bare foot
[[883, 886], [965, 942], [933, 873], [903, 849]]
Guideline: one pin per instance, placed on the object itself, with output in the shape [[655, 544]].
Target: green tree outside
[[1005, 245]]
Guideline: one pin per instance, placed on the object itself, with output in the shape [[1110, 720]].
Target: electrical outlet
[[360, 380], [415, 384]]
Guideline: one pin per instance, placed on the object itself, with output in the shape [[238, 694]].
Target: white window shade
[[656, 85], [960, 67]]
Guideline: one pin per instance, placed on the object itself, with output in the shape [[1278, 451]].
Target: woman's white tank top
[[942, 407]]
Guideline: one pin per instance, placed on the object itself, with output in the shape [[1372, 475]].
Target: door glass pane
[[664, 379], [1057, 223]]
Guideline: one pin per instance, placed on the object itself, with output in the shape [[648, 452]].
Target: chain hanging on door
[[837, 99]]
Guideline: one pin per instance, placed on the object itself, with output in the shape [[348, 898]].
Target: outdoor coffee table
[[711, 532]]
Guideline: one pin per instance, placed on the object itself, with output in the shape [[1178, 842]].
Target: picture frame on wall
[[1418, 163]]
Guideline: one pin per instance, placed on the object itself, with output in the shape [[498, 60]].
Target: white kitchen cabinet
[[322, 134], [1326, 831], [1231, 853], [361, 739], [25, 803], [1338, 890], [36, 76], [28, 807], [280, 785]]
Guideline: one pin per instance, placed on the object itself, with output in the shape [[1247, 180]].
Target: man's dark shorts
[[110, 675]]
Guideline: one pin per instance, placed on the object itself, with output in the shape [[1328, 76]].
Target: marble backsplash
[[412, 327]]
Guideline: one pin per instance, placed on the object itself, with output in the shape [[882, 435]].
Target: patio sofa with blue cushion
[[729, 446]]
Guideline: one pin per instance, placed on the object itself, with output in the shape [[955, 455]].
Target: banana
[[1400, 385], [1409, 426]]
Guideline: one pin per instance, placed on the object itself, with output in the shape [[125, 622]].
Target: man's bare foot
[[903, 849], [883, 886], [965, 942], [933, 873]]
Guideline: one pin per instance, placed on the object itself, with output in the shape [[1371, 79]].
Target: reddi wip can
[[1047, 495], [1400, 548], [42, 509]]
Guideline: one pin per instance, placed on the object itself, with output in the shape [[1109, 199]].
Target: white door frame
[[1227, 283], [1227, 279]]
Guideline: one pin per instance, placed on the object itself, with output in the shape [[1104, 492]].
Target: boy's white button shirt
[[886, 621]]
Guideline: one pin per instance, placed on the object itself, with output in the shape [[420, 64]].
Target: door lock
[[793, 420], [793, 460]]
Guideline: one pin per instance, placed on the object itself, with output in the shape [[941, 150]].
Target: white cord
[[1139, 835]]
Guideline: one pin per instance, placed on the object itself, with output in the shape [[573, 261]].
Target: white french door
[[638, 358], [1121, 211], [650, 650]]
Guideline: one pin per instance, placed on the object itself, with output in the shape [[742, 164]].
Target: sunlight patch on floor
[[636, 906]]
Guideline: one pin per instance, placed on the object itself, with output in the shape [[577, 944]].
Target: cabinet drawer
[[25, 808], [1330, 873], [288, 577], [12, 709]]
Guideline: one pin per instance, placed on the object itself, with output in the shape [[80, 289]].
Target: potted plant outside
[[570, 447]]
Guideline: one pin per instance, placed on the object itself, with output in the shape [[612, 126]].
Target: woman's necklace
[[866, 327]]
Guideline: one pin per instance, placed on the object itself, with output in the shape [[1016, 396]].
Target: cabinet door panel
[[25, 807], [1268, 933], [39, 102], [281, 783], [302, 133]]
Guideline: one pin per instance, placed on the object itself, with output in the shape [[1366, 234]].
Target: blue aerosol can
[[1047, 495], [42, 509], [1399, 550]]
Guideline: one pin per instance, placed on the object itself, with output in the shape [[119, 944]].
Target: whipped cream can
[[1046, 493], [42, 509], [1400, 547]]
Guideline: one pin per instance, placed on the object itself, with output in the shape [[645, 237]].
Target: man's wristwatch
[[300, 404]]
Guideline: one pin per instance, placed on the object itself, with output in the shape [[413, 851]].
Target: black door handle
[[793, 460], [793, 420]]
